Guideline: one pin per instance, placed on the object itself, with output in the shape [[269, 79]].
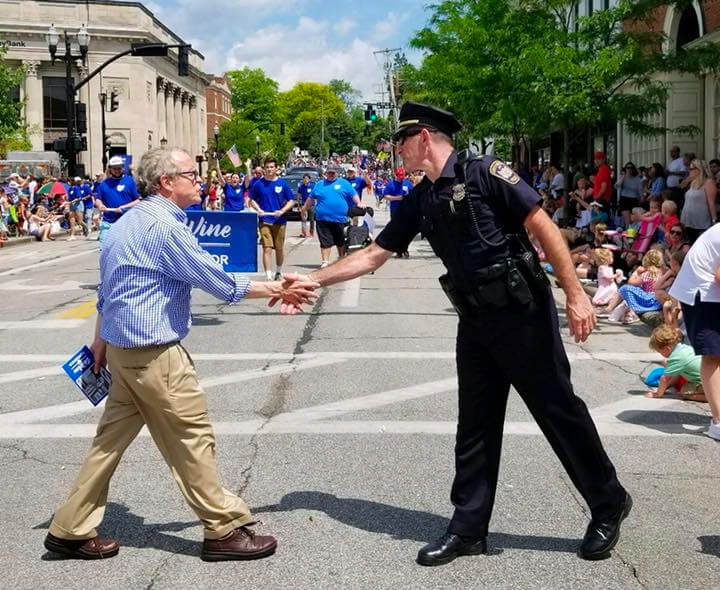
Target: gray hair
[[638, 211], [156, 163]]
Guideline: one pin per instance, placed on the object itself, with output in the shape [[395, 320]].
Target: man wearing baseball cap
[[332, 198], [115, 195], [359, 183], [394, 193]]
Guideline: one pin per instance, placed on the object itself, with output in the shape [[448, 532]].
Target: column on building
[[187, 142], [170, 113], [84, 158], [34, 104], [161, 123], [195, 143], [177, 96]]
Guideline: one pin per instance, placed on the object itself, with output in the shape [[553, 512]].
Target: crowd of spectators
[[46, 207], [629, 235]]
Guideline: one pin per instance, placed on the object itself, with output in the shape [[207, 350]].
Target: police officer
[[474, 213]]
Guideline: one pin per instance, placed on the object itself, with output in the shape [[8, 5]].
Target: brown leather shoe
[[241, 544], [95, 548]]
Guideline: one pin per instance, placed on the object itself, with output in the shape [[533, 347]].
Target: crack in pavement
[[26, 456], [279, 393], [154, 575]]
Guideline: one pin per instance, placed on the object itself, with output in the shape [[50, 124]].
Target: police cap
[[417, 114]]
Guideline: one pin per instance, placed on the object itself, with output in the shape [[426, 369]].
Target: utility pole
[[389, 68], [322, 128]]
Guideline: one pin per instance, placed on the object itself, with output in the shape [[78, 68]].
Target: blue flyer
[[79, 367]]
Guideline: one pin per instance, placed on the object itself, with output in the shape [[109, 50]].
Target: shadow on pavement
[[130, 530], [710, 545], [667, 422], [404, 523]]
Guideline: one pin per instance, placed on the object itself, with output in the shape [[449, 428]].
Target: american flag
[[232, 153]]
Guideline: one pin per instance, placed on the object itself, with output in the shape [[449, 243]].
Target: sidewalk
[[29, 239]]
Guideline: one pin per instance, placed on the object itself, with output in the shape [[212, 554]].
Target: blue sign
[[229, 236]]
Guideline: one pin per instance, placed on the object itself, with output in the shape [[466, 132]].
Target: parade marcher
[[88, 202], [272, 197], [332, 198], [76, 215], [233, 191], [359, 183], [149, 264], [395, 191], [115, 195], [307, 216], [474, 212]]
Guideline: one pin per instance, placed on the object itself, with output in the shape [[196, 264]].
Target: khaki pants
[[155, 386]]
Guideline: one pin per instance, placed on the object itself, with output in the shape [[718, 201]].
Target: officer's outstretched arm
[[358, 264], [580, 314]]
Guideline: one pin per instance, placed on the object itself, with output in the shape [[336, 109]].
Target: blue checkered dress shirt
[[148, 266]]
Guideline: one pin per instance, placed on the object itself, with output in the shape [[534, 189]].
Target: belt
[[490, 273], [151, 346]]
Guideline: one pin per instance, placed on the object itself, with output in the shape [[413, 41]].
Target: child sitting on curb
[[682, 362]]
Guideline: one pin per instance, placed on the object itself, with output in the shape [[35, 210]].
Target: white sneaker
[[324, 264], [71, 238], [714, 430]]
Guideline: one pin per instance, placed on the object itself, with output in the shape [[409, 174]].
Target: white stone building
[[155, 103]]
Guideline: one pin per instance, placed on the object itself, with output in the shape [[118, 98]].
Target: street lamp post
[[257, 149], [200, 159], [216, 132], [83, 41], [163, 143]]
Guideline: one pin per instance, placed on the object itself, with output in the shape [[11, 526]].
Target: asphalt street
[[337, 426]]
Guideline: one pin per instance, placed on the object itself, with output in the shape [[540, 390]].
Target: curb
[[27, 240]]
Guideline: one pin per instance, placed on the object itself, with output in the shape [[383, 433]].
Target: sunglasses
[[675, 232]]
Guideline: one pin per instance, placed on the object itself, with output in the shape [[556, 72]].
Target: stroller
[[359, 235]]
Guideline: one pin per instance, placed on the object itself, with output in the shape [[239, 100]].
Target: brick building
[[693, 100], [219, 105]]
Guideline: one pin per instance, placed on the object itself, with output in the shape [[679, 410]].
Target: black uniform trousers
[[521, 346]]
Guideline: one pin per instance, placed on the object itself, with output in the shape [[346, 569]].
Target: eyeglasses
[[191, 175], [675, 232]]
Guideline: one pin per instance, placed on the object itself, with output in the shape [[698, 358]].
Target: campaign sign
[[229, 236], [79, 367]]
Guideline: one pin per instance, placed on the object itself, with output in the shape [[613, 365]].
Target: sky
[[297, 40]]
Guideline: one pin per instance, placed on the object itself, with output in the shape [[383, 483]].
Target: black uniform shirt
[[501, 201]]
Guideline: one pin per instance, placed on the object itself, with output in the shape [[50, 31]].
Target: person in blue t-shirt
[[250, 179], [272, 197], [76, 213], [379, 187], [88, 194], [332, 197], [359, 183], [115, 195], [394, 192], [307, 217], [203, 198], [234, 191]]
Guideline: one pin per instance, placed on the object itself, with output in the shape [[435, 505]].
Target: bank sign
[[230, 237]]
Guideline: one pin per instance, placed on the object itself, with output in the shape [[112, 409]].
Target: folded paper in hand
[[79, 367]]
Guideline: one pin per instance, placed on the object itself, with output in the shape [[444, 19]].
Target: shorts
[[89, 215], [272, 235], [330, 233], [79, 206], [702, 322], [628, 203]]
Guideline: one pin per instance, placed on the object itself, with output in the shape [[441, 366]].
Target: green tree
[[254, 95], [521, 70], [345, 92], [13, 131]]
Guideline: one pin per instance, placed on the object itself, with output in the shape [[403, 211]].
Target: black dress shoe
[[602, 536], [450, 546]]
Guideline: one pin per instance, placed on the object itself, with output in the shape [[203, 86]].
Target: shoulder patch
[[503, 172]]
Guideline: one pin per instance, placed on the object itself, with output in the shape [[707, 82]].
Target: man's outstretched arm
[[350, 267]]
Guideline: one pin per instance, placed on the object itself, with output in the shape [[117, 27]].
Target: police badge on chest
[[458, 194]]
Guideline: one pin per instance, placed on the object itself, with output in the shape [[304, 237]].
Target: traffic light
[[114, 102], [368, 112], [80, 117], [373, 115], [184, 60]]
